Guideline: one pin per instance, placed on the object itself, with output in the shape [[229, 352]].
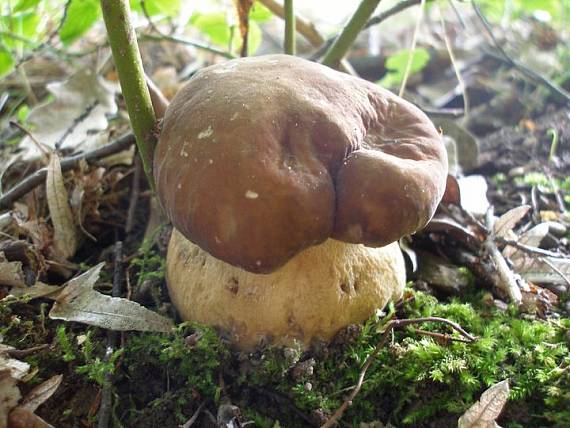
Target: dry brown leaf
[[484, 412], [65, 237], [22, 418], [41, 393], [509, 220], [39, 289], [11, 371], [79, 302], [11, 273]]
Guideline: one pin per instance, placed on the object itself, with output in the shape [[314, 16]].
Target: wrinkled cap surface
[[262, 157]]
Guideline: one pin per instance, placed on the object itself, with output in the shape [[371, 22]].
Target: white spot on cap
[[218, 240], [210, 161], [234, 116], [258, 262], [206, 133], [250, 194]]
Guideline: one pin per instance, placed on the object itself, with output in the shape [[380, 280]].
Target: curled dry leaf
[[79, 302], [22, 418], [11, 371], [39, 289], [41, 393], [65, 239], [509, 220], [484, 413], [11, 273]]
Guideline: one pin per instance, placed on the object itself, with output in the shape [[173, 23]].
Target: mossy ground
[[160, 379]]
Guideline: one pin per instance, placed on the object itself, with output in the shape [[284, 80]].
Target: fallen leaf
[[530, 238], [65, 239], [11, 371], [78, 111], [79, 302], [11, 273], [39, 289], [22, 418], [536, 269], [509, 220], [484, 412], [41, 393]]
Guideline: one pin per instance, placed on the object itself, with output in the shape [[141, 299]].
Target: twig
[[104, 414], [21, 353], [529, 250], [419, 20], [349, 33], [185, 41], [392, 325], [441, 337], [26, 131], [397, 8], [194, 417], [506, 278], [556, 191], [38, 177], [290, 28], [134, 197], [454, 64], [127, 58], [375, 20], [148, 18], [308, 31], [504, 56], [157, 98], [555, 269]]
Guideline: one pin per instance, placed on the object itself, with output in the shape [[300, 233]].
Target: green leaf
[[157, 7], [396, 65], [25, 5], [6, 60], [20, 24], [260, 13], [81, 15], [216, 27]]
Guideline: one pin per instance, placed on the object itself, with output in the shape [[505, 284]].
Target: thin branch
[[375, 20], [555, 269], [308, 31], [188, 42], [392, 325], [123, 41], [454, 64], [38, 177], [529, 250], [506, 278], [412, 53], [104, 414], [504, 56], [290, 28], [349, 33]]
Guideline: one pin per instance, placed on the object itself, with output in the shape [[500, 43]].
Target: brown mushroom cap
[[262, 157]]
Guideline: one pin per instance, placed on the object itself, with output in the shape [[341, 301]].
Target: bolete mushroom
[[288, 184]]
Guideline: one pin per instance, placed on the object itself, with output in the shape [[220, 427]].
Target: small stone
[[308, 386]]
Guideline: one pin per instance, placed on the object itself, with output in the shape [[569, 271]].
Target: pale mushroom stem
[[319, 291]]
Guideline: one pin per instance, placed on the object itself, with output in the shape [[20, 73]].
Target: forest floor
[[507, 201]]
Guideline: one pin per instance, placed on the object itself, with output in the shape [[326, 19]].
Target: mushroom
[[288, 184]]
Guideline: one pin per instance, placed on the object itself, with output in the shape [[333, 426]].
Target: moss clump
[[165, 377], [417, 381]]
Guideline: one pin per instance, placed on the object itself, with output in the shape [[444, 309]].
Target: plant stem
[[126, 55], [349, 33], [290, 28]]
